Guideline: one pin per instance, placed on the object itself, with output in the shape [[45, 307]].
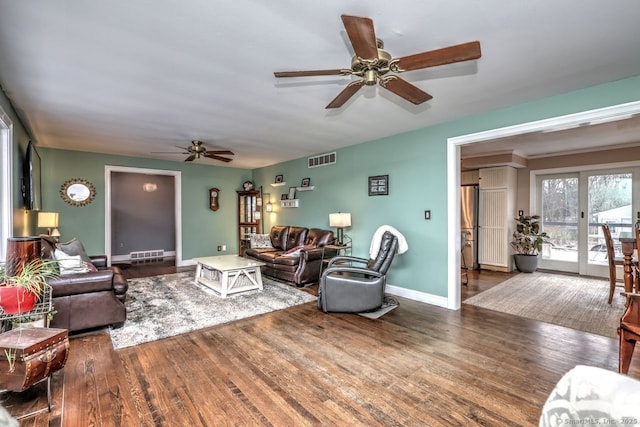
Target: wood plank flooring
[[418, 365]]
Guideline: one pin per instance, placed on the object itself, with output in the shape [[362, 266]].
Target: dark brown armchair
[[347, 288], [87, 300]]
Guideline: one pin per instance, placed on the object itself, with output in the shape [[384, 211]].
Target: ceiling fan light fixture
[[370, 77]]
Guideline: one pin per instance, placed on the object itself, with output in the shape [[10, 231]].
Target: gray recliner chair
[[350, 289]]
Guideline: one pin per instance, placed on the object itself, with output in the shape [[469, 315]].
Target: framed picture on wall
[[292, 193], [279, 179], [305, 182], [379, 185]]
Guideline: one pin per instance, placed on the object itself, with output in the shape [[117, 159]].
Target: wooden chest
[[30, 355]]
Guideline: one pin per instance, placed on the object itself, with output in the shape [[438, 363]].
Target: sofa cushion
[[74, 247], [319, 238], [266, 255], [279, 234], [292, 261], [48, 246], [296, 237]]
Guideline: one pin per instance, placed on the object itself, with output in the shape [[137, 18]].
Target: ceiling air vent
[[322, 160]]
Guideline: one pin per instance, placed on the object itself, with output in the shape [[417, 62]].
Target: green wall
[[202, 229], [415, 162], [416, 165]]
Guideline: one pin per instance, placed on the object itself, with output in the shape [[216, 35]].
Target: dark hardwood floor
[[418, 365]]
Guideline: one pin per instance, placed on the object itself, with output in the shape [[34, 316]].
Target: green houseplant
[[527, 242], [20, 292]]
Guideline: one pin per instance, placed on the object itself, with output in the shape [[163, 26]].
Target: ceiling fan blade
[[227, 152], [447, 55], [216, 157], [190, 158], [308, 73], [405, 90], [345, 95], [362, 35], [167, 152]]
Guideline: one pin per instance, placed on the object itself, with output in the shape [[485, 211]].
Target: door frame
[[600, 115], [177, 204], [6, 180]]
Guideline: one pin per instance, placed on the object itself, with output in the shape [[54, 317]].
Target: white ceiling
[[134, 76]]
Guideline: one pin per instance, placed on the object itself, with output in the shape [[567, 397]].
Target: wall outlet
[[427, 214]]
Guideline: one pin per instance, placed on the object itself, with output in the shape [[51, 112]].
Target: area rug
[[572, 301], [163, 306]]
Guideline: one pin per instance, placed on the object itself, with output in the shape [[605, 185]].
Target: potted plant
[[527, 242], [19, 293]]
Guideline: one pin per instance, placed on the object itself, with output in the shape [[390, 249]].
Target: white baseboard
[[417, 296]]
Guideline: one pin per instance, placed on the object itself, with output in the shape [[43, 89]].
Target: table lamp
[[340, 220], [49, 220]]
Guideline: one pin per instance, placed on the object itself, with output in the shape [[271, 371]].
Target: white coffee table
[[229, 274]]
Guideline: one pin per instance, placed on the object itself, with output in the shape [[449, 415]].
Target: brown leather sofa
[[304, 264], [88, 300]]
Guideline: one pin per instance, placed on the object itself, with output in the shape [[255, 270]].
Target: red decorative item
[[16, 300]]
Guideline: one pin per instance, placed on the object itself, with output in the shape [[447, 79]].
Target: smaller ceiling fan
[[372, 64], [197, 150]]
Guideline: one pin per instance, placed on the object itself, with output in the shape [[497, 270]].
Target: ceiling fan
[[372, 63], [197, 150]]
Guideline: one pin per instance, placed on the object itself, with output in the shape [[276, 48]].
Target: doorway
[[576, 120], [573, 206], [110, 172]]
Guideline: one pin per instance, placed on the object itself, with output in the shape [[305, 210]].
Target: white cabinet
[[496, 215]]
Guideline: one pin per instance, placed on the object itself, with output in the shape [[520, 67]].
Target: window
[[6, 187]]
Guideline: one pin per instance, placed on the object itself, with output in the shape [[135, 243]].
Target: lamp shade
[[47, 219], [340, 220]]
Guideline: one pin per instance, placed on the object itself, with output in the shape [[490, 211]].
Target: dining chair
[[629, 331], [612, 260]]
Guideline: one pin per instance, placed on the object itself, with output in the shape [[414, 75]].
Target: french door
[[573, 206]]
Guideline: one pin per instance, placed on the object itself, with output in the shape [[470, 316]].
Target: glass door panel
[[559, 219], [610, 201]]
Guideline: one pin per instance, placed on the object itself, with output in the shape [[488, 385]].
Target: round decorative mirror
[[77, 192]]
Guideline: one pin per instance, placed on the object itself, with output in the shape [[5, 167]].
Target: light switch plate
[[427, 214]]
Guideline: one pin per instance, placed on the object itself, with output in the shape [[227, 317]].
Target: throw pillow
[[260, 241], [74, 247], [70, 264]]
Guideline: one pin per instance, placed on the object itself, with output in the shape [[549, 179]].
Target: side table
[[339, 249], [29, 356]]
